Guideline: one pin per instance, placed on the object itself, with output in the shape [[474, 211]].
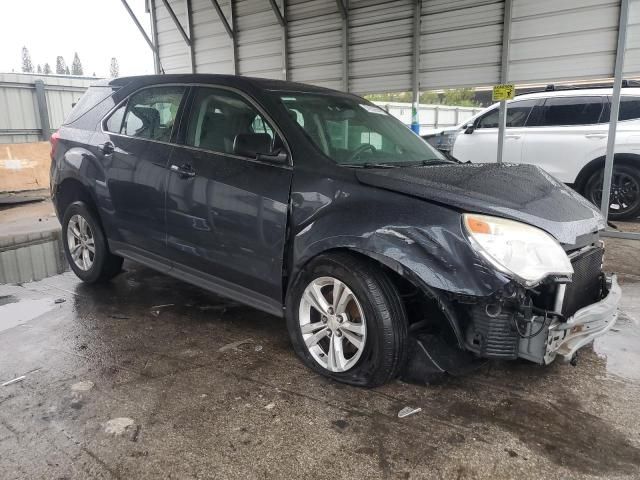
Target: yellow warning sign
[[503, 92]]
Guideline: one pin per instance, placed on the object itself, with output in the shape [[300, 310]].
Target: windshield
[[353, 132]]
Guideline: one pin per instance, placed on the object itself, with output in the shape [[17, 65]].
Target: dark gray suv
[[385, 258]]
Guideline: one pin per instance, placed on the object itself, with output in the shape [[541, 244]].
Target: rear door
[[566, 133], [135, 148], [481, 145], [227, 213]]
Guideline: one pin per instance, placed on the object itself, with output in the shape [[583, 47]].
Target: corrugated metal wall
[[259, 39], [315, 43], [19, 116], [380, 45], [213, 48], [460, 41], [568, 39], [174, 52]]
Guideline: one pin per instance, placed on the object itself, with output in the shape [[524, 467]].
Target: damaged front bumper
[[562, 339], [565, 338]]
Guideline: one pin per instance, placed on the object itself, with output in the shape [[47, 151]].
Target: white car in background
[[565, 133]]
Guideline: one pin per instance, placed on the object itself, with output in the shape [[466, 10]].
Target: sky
[[96, 29]]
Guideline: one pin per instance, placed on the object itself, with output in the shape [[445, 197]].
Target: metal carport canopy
[[367, 46], [371, 46]]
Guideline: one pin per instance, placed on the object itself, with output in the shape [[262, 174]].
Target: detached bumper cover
[[592, 321]]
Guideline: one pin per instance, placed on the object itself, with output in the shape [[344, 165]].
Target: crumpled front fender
[[437, 256]]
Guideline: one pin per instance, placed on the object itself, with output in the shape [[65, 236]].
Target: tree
[[114, 69], [76, 65], [39, 69], [27, 66], [46, 69], [461, 97], [66, 71], [61, 65]]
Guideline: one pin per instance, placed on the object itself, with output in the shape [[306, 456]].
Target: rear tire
[[625, 191], [85, 245], [370, 324]]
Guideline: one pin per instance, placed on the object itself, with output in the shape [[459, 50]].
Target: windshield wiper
[[370, 165]]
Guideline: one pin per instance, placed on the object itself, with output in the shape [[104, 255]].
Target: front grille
[[585, 286]]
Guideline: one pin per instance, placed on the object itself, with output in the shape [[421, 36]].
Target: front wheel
[[347, 322], [625, 191]]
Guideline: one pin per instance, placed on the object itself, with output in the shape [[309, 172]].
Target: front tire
[[625, 191], [85, 245], [347, 322]]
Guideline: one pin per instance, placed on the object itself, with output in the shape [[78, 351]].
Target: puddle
[[27, 258], [17, 313], [621, 349], [5, 299]]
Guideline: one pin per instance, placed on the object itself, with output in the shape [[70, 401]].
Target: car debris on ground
[[406, 411]]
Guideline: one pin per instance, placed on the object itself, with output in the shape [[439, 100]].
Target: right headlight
[[523, 252]]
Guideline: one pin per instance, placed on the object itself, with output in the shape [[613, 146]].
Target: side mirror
[[258, 146], [469, 128]]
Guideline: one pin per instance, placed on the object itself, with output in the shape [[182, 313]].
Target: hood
[[520, 192]]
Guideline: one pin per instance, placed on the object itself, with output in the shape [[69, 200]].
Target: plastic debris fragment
[[406, 411]]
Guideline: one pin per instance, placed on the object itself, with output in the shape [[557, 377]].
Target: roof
[[578, 92], [255, 82]]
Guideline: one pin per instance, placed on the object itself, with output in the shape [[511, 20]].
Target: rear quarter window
[[92, 97]]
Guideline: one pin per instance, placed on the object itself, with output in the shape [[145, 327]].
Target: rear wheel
[[85, 245], [625, 191], [347, 322]]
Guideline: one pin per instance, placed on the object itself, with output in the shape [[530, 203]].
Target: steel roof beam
[[504, 75], [276, 10], [342, 9], [615, 108], [135, 20], [177, 23], [223, 19]]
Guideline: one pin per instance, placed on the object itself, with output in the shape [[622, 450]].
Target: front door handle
[[184, 171], [515, 137], [595, 135]]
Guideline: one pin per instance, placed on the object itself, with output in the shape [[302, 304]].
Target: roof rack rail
[[625, 84]]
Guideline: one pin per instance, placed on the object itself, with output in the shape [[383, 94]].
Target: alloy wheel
[[333, 324], [625, 192], [81, 242]]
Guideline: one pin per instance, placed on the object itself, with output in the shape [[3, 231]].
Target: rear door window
[[218, 115], [567, 111], [517, 114], [150, 113]]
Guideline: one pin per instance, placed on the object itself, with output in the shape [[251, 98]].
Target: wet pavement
[[148, 377]]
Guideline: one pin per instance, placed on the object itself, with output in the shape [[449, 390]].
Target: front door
[[481, 144], [135, 152], [226, 212]]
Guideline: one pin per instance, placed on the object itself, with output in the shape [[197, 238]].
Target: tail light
[[54, 143]]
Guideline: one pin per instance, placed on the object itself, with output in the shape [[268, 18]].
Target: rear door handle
[[595, 135], [515, 137], [184, 171], [107, 148]]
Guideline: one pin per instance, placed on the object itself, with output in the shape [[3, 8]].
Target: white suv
[[565, 133]]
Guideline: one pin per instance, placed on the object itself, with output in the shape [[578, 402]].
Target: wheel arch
[[401, 277], [72, 190], [597, 163]]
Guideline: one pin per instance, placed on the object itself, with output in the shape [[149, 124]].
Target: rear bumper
[[565, 338]]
